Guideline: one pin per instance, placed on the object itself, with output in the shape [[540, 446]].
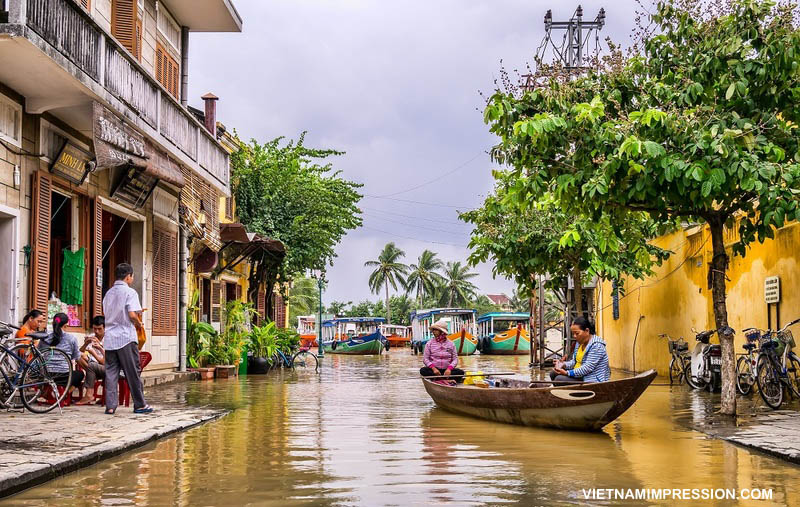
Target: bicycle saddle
[[749, 346], [37, 335]]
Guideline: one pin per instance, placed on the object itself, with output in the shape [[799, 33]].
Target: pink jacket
[[440, 353]]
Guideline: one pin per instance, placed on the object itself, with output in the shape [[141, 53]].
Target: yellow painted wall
[[677, 297]]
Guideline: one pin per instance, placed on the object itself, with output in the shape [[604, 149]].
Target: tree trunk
[[388, 309], [577, 283], [716, 281]]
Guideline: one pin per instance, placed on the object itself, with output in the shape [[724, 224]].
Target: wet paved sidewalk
[[775, 433], [38, 447]]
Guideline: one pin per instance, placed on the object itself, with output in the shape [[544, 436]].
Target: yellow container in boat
[[473, 378]]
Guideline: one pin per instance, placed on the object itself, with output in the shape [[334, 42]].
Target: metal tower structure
[[571, 51]]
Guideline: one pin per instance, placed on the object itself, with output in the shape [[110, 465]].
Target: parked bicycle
[[778, 368], [746, 364], [679, 364], [24, 377], [303, 358]]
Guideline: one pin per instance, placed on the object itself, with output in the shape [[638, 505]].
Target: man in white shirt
[[122, 309]]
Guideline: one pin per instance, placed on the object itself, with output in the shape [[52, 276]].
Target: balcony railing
[[71, 30]]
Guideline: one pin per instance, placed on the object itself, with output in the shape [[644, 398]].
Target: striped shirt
[[57, 363], [594, 365], [441, 354], [120, 299]]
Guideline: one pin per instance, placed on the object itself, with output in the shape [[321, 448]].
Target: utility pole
[[571, 52]]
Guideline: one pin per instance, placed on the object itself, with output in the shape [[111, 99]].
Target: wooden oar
[[466, 375]]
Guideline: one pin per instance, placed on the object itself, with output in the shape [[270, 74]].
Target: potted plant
[[233, 338], [263, 346]]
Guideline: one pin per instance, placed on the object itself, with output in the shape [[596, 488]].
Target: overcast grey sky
[[393, 84]]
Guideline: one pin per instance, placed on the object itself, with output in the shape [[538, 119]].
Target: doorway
[[116, 246], [8, 261]]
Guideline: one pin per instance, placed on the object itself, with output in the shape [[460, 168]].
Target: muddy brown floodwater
[[359, 433]]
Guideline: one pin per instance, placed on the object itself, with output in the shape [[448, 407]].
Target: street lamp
[[320, 276]]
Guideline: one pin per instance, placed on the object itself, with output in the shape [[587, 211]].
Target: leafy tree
[[366, 309], [456, 288], [520, 300], [338, 308], [303, 298], [424, 275], [483, 305], [700, 126], [524, 238], [287, 192], [388, 271]]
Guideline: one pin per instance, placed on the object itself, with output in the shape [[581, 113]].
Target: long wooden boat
[[504, 334], [306, 328], [460, 323], [353, 335], [586, 407], [397, 336]]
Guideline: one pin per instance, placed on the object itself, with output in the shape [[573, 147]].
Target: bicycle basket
[[678, 345], [787, 338], [753, 336]]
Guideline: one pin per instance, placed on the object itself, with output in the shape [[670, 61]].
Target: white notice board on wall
[[772, 289]]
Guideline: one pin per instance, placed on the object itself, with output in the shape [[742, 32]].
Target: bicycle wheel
[[675, 371], [693, 381], [769, 384], [38, 382], [12, 362], [744, 375], [793, 372], [305, 359]]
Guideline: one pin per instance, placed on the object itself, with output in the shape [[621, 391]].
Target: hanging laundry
[[72, 271]]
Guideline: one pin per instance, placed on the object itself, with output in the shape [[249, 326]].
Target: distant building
[[501, 300]]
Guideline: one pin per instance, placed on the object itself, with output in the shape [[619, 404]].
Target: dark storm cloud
[[395, 85]]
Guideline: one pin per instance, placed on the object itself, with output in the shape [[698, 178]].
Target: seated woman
[[589, 362], [33, 322], [69, 344], [440, 357]]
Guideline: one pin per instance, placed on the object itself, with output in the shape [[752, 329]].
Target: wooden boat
[[396, 336], [353, 335], [460, 324], [307, 329], [504, 334], [586, 407]]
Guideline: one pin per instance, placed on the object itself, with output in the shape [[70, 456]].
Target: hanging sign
[[115, 143], [135, 187], [73, 163]]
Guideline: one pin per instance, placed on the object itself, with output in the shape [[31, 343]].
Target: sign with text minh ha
[[73, 164]]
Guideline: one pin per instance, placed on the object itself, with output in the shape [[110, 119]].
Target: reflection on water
[[365, 432]]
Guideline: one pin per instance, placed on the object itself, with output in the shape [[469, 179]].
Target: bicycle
[[303, 358], [746, 364], [778, 368], [24, 377], [679, 364]]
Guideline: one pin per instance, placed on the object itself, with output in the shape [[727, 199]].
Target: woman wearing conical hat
[[440, 357]]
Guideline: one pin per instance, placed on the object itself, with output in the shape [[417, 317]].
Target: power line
[[417, 225], [434, 180], [435, 220], [466, 208], [413, 239]]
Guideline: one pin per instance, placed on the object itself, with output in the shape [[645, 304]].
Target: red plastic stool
[[124, 393], [49, 398]]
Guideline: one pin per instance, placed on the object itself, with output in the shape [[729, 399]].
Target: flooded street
[[360, 433]]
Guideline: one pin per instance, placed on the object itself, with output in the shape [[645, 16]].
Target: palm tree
[[423, 276], [457, 287], [303, 296], [388, 271]]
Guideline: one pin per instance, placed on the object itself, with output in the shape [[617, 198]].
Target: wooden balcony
[[100, 70]]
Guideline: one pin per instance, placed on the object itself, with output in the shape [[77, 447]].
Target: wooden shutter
[[97, 259], [40, 241], [167, 71], [165, 282], [229, 208], [261, 304], [138, 53], [238, 292], [124, 24], [87, 4], [216, 301], [279, 310]]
